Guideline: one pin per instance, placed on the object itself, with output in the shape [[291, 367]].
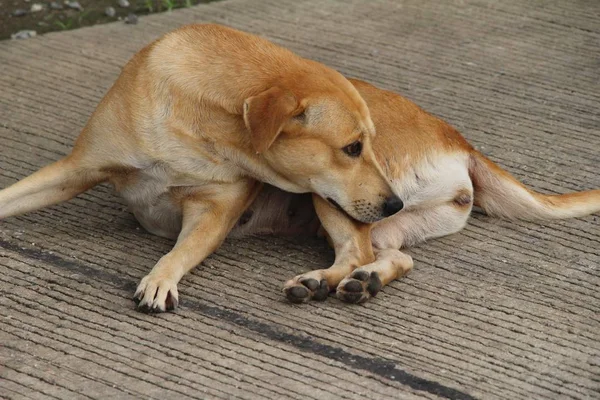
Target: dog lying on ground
[[438, 175], [194, 124], [199, 118]]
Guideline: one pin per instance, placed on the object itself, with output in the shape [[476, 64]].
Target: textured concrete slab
[[500, 310]]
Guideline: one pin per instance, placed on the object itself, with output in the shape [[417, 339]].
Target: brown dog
[[194, 124], [437, 174]]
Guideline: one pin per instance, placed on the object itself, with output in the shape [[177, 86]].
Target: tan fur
[[440, 177], [194, 125], [201, 118], [500, 194]]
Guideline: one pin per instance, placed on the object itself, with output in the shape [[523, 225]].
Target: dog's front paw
[[156, 294], [359, 286], [306, 287]]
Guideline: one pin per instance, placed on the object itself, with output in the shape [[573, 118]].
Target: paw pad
[[307, 289], [359, 287], [353, 286]]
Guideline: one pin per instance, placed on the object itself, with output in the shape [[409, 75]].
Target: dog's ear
[[265, 115]]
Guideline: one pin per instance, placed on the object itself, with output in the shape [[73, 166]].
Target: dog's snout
[[392, 205]]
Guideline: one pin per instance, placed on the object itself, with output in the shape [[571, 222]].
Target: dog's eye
[[353, 149]]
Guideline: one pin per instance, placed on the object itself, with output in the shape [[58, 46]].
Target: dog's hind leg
[[402, 230], [52, 184]]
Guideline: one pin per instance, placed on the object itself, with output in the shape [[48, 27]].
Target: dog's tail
[[53, 184], [498, 193]]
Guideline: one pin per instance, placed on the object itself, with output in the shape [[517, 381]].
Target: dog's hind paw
[[303, 288], [155, 294], [359, 286]]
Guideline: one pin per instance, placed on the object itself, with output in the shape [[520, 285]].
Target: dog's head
[[318, 135]]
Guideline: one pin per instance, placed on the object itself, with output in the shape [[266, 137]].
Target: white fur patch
[[428, 189], [433, 180]]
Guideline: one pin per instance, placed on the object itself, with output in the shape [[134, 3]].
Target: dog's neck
[[256, 166]]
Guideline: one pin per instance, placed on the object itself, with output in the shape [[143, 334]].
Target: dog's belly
[[149, 195], [152, 205]]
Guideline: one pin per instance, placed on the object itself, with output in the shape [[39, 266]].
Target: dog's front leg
[[351, 241], [366, 281], [208, 216]]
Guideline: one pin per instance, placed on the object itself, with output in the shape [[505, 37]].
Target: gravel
[[131, 19], [74, 5], [23, 35], [19, 12], [56, 6], [110, 12]]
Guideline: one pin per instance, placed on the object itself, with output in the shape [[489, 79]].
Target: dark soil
[[48, 20]]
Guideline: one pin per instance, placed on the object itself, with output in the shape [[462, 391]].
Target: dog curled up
[[210, 130], [439, 177], [191, 129]]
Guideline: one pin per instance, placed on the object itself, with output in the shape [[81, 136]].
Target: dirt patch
[[48, 16]]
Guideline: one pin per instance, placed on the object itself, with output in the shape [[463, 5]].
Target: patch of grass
[[65, 26], [73, 22], [151, 6], [169, 4], [49, 19], [82, 16]]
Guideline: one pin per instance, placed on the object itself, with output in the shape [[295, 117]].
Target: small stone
[[74, 5], [19, 12], [110, 12], [23, 35], [35, 7], [131, 19], [123, 3], [56, 6]]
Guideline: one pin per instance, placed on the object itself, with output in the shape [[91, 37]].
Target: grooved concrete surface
[[500, 310]]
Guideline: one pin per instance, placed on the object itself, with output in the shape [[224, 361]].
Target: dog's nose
[[392, 205]]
